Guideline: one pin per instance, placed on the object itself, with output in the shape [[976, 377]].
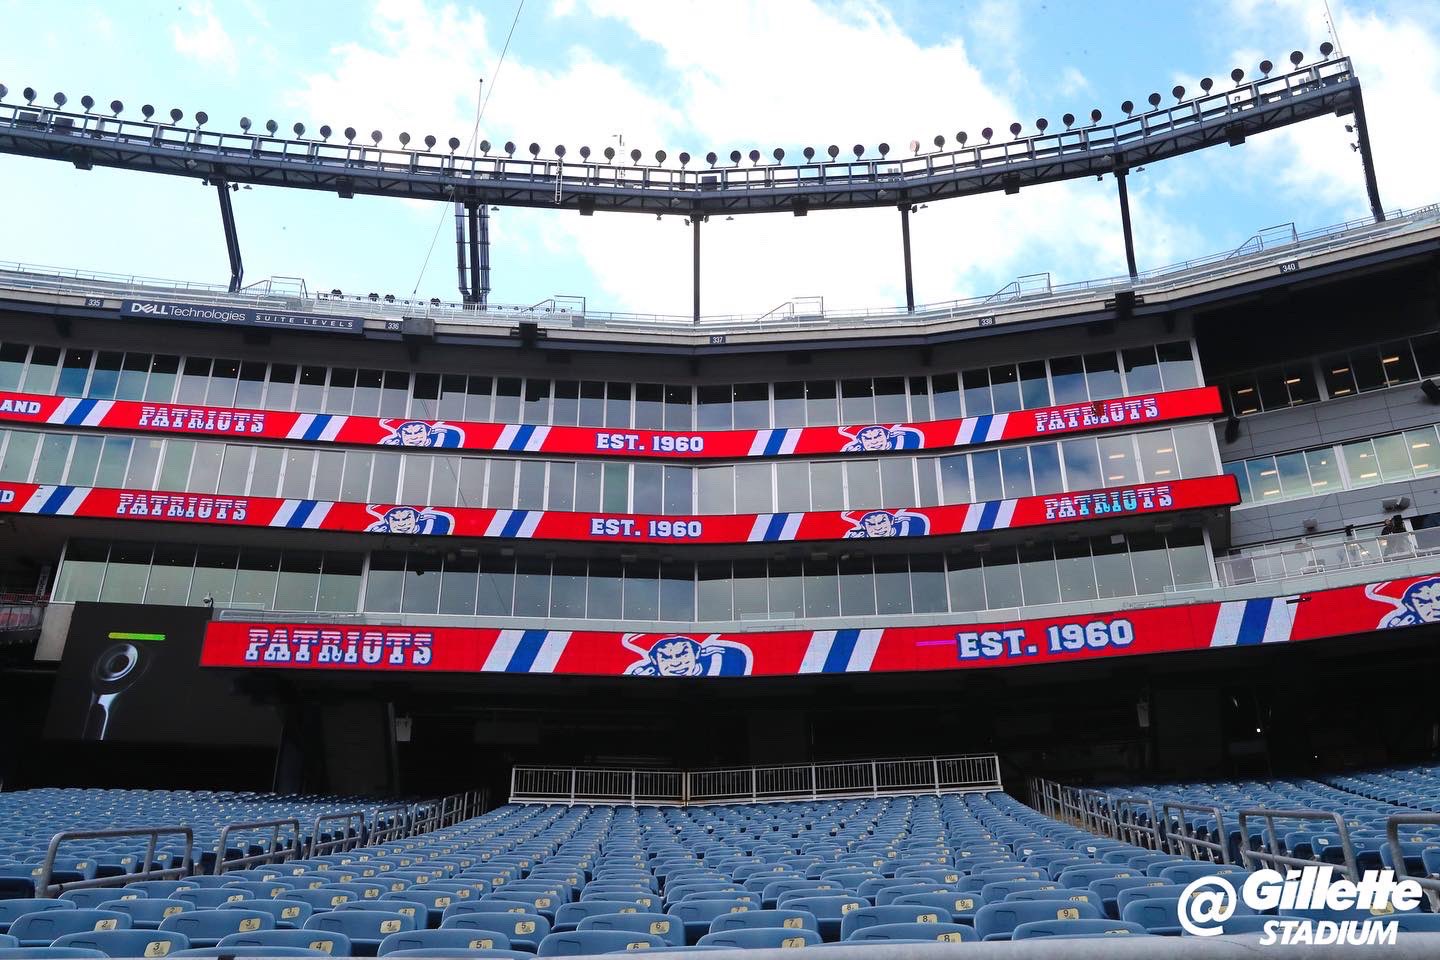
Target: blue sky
[[689, 75]]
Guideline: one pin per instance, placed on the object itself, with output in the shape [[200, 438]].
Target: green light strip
[[137, 636]]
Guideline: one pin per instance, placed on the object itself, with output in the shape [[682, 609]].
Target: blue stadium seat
[[588, 943], [213, 897], [828, 911], [248, 952], [1067, 929], [888, 915], [365, 928], [96, 897], [12, 909], [334, 944], [761, 937], [126, 943], [525, 930], [668, 928], [779, 919], [942, 932], [146, 913], [205, 928], [451, 939], [49, 953], [38, 929], [961, 907], [995, 921], [287, 913]]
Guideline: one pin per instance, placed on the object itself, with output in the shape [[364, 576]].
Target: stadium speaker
[[1432, 390], [528, 331], [1232, 430], [422, 327]]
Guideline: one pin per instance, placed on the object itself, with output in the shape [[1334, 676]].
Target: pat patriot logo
[[1208, 903]]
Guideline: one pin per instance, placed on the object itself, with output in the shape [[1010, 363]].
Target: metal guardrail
[[1181, 836], [399, 816], [1270, 855], [866, 778], [351, 824], [275, 852], [1130, 828], [1430, 884], [1303, 559], [45, 886]]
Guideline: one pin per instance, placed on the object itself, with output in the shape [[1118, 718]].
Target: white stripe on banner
[[792, 438], [302, 424], [757, 445], [73, 501], [865, 646], [97, 413], [757, 530], [1280, 621], [500, 654], [997, 427], [317, 515], [792, 526], [507, 437], [1005, 515], [62, 412], [286, 511], [332, 429], [817, 651], [37, 499], [528, 525], [496, 526], [972, 518], [536, 439], [1227, 624], [966, 432], [550, 650]]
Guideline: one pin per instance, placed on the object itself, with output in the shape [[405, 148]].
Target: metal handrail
[[1189, 844], [352, 832], [276, 853], [44, 888], [1129, 829], [1431, 885], [402, 820], [1272, 857]]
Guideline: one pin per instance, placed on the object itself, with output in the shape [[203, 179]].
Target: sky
[[699, 76]]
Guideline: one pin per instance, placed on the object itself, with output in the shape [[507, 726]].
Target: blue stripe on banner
[[840, 651], [56, 499], [317, 426], [303, 509], [774, 442], [988, 514], [526, 651], [522, 437], [776, 527], [982, 427], [81, 411], [1252, 622], [513, 525]]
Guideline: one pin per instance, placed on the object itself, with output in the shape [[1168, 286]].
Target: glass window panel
[[356, 483], [1300, 382], [751, 596], [532, 587], [616, 498], [54, 451], [649, 488], [12, 364], [471, 490], [897, 482], [790, 404], [1002, 578], [1195, 445], [175, 467], [1397, 362], [309, 394], [107, 375], [1394, 457], [458, 583], [677, 591], [126, 574], [679, 403], [249, 391], [1117, 460], [1274, 395], [444, 478], [927, 583], [821, 403], [827, 490], [753, 488], [365, 397], [977, 393], [946, 393], [717, 489], [642, 590], [497, 586], [133, 371], [985, 470], [385, 478], [1158, 460], [713, 591], [617, 405], [560, 488], [145, 458], [1177, 368], [1142, 370], [500, 491], [1034, 387], [862, 478], [792, 485], [567, 588], [255, 579], [530, 489], [857, 401], [40, 374], [1243, 395], [74, 372], [891, 405], [394, 395], [1426, 347], [857, 587], [649, 406], [679, 490], [752, 405], [214, 576], [1423, 452], [1294, 477], [787, 590], [1189, 559], [299, 464], [424, 397], [452, 396], [264, 474], [223, 376], [477, 399], [592, 404], [1067, 376], [234, 474], [1151, 563], [1075, 569], [714, 407], [1015, 469], [920, 400], [892, 585], [340, 582], [384, 581], [587, 485], [1113, 575], [1324, 471], [1237, 470], [299, 586], [205, 469], [965, 581], [1360, 463], [170, 573], [280, 392], [507, 400], [603, 591], [927, 479], [82, 571], [1102, 375], [955, 478], [822, 588], [1005, 388], [1038, 574], [414, 479], [117, 452], [1045, 464], [1369, 372], [1264, 478], [85, 457]]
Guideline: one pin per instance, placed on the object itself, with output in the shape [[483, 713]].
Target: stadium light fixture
[[453, 143], [914, 148], [484, 148], [176, 115], [1128, 107], [245, 123], [376, 136], [3, 90], [735, 157], [859, 150], [270, 126], [1265, 67], [585, 153], [1296, 57], [29, 94], [147, 111], [202, 118], [1015, 129], [116, 107], [779, 154], [684, 159], [404, 139], [1154, 101], [809, 153], [754, 156], [609, 154], [1041, 124], [509, 147], [560, 150], [635, 156], [962, 136], [299, 129], [59, 99], [1237, 75], [87, 102], [1327, 48], [987, 133], [832, 151], [1205, 84], [429, 142], [660, 156], [325, 131], [1068, 120], [883, 150], [1178, 92], [939, 141], [1095, 116], [710, 158], [535, 150]]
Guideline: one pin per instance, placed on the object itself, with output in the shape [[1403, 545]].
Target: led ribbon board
[[1083, 636], [423, 520], [192, 419]]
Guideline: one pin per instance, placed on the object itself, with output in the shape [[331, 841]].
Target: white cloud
[[204, 39]]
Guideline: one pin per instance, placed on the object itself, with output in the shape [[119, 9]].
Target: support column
[[232, 238], [905, 245], [1367, 160], [481, 255], [1125, 219], [695, 266]]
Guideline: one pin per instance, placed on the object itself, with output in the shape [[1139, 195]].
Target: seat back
[[205, 928], [1036, 929], [669, 928], [325, 941], [582, 943], [43, 926], [525, 930], [997, 920], [126, 943], [444, 940], [786, 919], [942, 932], [745, 938]]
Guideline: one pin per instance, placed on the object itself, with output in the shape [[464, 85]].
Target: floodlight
[[859, 150], [299, 128], [404, 139], [176, 115], [660, 156], [29, 95], [735, 156], [270, 125], [453, 143], [429, 141], [1206, 83], [609, 153], [1327, 48], [584, 153], [1015, 129], [754, 156], [884, 149], [509, 147], [914, 147], [325, 131], [1265, 67], [1041, 124], [116, 106], [1295, 57], [484, 147], [1178, 92], [809, 153], [87, 102], [1095, 116], [59, 99], [684, 159], [244, 121], [376, 136], [833, 151], [962, 136], [710, 158], [560, 150], [779, 154], [1154, 100], [147, 111], [1128, 107], [987, 133], [634, 156], [535, 150], [3, 90], [939, 141], [1068, 120], [1237, 75]]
